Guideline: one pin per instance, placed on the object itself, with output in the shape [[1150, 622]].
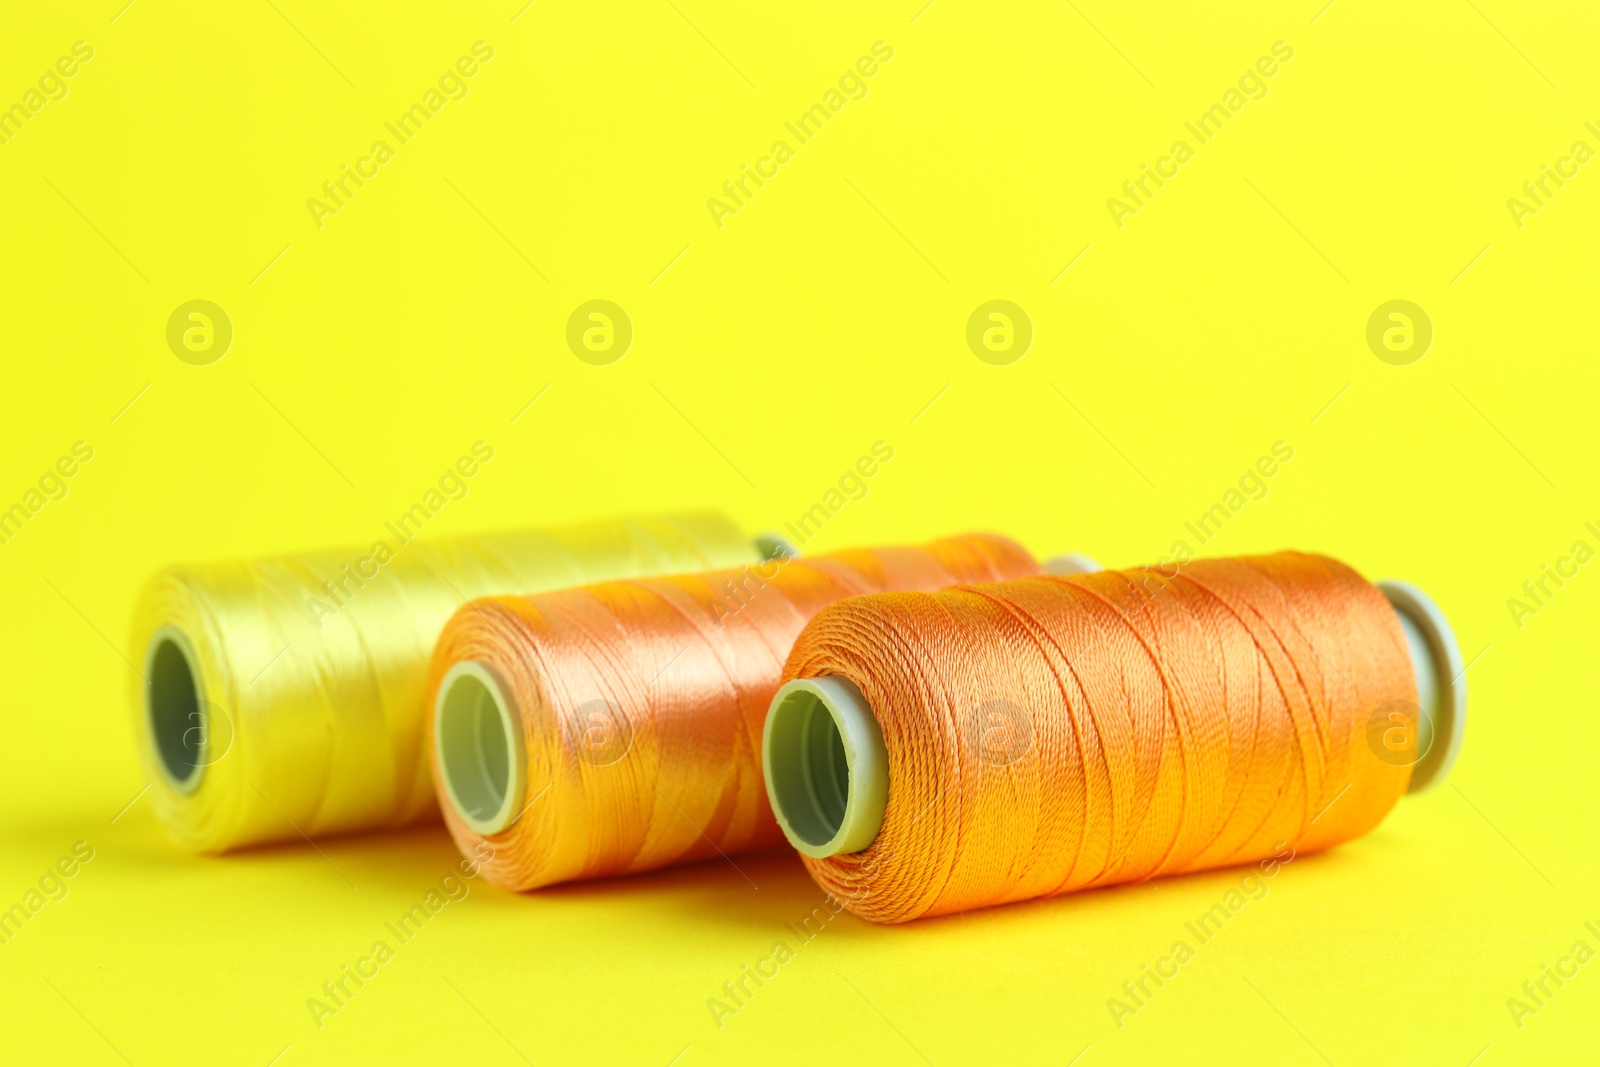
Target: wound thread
[[1053, 734], [640, 706]]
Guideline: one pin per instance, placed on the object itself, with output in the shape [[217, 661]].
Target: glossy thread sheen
[[1055, 734], [642, 702]]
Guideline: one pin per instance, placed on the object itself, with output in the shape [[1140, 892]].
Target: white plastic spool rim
[[483, 762]]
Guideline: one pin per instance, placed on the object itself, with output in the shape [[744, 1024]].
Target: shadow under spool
[[827, 771]]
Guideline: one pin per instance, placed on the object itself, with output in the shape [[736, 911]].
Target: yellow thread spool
[[277, 703]]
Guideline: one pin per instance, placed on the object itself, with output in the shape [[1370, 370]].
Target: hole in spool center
[[474, 753], [812, 788], [177, 723]]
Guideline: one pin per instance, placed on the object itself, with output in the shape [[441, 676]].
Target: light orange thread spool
[[1054, 734], [616, 728]]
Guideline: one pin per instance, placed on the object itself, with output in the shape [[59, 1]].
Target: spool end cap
[[826, 767], [1071, 563], [482, 758], [1441, 682]]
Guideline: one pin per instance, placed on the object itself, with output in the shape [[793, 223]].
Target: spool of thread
[[285, 697], [935, 752], [617, 728]]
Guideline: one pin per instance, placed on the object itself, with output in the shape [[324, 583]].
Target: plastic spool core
[[1441, 682], [826, 769], [772, 545], [1071, 563], [482, 758], [174, 708]]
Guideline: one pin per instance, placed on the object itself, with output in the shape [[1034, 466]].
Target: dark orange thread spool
[[935, 752]]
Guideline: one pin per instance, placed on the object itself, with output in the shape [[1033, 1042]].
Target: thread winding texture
[[642, 702], [1059, 733], [307, 714]]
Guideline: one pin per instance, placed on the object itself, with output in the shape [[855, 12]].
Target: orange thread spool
[[1055, 734], [616, 728]]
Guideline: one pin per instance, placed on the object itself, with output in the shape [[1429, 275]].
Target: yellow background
[[824, 316]]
